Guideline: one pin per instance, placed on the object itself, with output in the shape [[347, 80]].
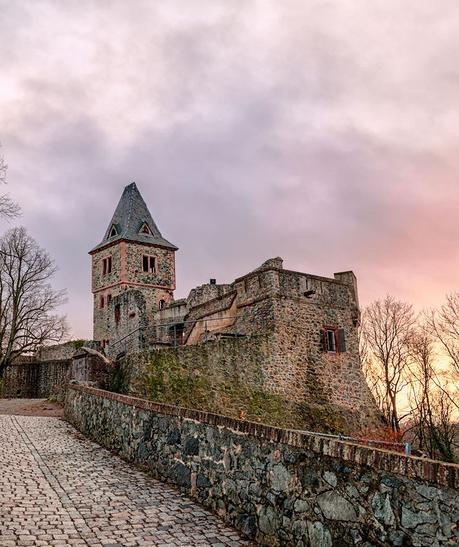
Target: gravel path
[[58, 488], [30, 407]]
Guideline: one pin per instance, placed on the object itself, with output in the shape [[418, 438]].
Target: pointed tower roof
[[132, 221]]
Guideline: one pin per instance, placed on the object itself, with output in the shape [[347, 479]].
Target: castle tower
[[132, 255]]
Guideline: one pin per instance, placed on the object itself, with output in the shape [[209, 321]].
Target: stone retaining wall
[[278, 486], [35, 379]]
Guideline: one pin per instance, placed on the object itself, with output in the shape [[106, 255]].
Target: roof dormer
[[145, 229], [113, 231]]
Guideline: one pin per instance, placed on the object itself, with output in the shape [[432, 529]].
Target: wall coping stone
[[436, 472], [38, 362]]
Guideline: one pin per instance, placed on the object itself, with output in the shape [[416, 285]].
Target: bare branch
[[8, 208], [387, 326], [444, 325], [27, 300]]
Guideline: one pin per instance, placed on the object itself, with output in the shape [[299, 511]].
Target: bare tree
[[422, 386], [27, 300], [444, 324], [443, 427], [387, 326], [3, 168], [432, 426], [8, 208]]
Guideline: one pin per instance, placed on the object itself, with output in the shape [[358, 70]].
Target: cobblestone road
[[57, 488]]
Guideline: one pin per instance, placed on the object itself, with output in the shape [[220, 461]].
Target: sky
[[324, 132]]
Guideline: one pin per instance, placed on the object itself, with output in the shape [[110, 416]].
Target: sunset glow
[[324, 133]]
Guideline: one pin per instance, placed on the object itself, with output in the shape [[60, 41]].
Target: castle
[[303, 329]]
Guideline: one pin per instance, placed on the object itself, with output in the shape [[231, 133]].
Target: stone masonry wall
[[59, 352], [277, 486], [127, 273], [104, 285], [126, 327], [35, 380], [223, 376], [227, 376], [300, 368], [291, 310], [163, 277]]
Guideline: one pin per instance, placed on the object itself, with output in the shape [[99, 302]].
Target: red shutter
[[324, 339], [341, 341]]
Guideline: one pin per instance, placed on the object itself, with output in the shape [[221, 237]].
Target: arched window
[[162, 304], [113, 231]]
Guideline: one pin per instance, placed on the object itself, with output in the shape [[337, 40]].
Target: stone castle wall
[[224, 376], [38, 379], [58, 352], [290, 311], [300, 368], [277, 486], [293, 309]]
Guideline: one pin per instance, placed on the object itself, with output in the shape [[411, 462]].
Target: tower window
[[162, 304], [107, 265], [334, 340], [149, 264], [117, 313], [113, 231], [102, 302], [331, 341]]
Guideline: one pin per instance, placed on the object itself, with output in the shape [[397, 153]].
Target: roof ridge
[[131, 187]]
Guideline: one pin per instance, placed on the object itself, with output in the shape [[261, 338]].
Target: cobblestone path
[[57, 488]]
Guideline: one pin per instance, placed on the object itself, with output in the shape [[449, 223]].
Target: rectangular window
[[107, 265], [149, 264], [117, 314], [102, 302], [333, 340]]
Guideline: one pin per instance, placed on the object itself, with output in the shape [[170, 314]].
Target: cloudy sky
[[326, 132]]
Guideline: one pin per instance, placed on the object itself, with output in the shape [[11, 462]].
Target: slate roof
[[130, 216]]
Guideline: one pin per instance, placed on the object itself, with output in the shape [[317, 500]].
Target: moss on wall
[[223, 377]]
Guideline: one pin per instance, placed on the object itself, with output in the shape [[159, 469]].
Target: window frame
[[331, 334], [107, 265], [148, 260]]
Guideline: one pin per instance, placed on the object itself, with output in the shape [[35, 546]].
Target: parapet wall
[[278, 486]]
